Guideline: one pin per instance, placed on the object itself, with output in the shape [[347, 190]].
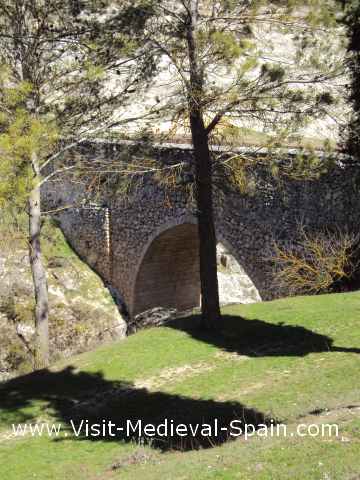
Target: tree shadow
[[74, 397], [257, 338]]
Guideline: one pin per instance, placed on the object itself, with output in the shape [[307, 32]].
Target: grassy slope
[[284, 372]]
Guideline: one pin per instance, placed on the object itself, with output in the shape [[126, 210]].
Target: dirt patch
[[333, 414], [172, 375], [238, 393], [140, 456], [231, 356]]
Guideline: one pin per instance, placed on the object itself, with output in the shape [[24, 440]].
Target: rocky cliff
[[235, 286], [82, 311]]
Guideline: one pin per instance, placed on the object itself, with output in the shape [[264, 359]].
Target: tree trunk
[[38, 273], [210, 305]]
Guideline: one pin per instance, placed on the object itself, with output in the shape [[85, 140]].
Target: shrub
[[319, 262]]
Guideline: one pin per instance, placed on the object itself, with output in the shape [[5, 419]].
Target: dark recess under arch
[[169, 272]]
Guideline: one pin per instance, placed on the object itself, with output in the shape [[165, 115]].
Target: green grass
[[295, 360]]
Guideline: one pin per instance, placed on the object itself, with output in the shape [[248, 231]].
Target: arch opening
[[169, 274]]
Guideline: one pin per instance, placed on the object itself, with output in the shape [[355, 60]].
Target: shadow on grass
[[256, 338], [75, 397]]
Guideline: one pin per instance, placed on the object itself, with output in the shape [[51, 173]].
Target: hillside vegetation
[[82, 311], [294, 360]]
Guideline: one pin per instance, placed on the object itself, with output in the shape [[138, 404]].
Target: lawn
[[290, 361]]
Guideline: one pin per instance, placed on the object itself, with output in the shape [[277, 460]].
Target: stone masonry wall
[[131, 244]]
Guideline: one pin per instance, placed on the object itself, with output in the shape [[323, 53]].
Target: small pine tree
[[56, 60]]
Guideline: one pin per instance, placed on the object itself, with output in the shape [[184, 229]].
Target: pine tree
[[224, 78], [351, 19], [57, 60]]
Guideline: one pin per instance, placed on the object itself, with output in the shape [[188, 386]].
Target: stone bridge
[[145, 246]]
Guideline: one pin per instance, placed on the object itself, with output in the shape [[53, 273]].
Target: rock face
[[234, 284], [82, 311], [154, 317]]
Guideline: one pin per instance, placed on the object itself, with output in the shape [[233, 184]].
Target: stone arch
[[168, 275], [168, 270]]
